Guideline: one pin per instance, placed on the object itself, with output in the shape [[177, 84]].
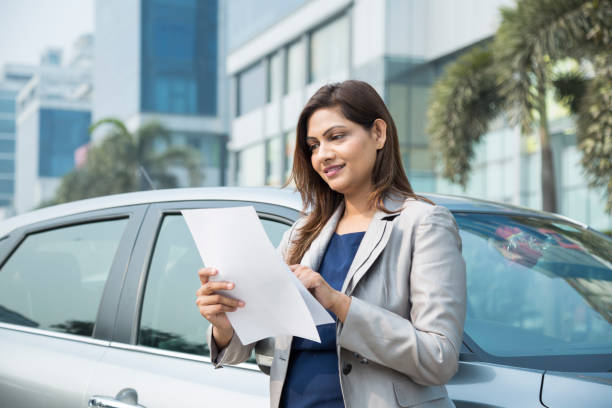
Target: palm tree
[[516, 74], [125, 161]]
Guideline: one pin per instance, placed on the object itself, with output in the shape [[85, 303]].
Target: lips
[[332, 170]]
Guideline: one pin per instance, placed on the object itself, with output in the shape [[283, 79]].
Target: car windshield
[[536, 286]]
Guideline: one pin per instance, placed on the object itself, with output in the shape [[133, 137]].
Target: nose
[[325, 152]]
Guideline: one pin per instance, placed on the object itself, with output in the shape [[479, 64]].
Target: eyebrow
[[328, 131]]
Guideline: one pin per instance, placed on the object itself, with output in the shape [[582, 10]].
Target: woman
[[386, 262]]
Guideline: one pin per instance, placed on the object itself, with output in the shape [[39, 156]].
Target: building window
[[176, 95], [296, 67], [7, 126], [7, 166], [275, 77], [179, 57], [274, 162], [7, 185], [251, 88], [7, 146], [329, 50], [289, 152], [250, 169], [7, 106], [61, 133]]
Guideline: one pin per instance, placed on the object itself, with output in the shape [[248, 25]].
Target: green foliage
[[463, 103], [570, 87], [115, 165], [595, 127], [533, 36]]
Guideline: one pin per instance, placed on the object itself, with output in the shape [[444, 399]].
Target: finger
[[219, 300], [211, 287], [206, 273], [212, 311]]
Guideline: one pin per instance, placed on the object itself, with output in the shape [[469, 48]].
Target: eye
[[312, 146], [337, 136]]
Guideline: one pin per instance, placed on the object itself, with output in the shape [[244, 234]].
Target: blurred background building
[[164, 60], [53, 116], [12, 78], [400, 47], [389, 43], [228, 78]]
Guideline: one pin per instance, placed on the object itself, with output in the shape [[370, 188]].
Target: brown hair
[[360, 103]]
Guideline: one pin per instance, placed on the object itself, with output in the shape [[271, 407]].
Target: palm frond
[[464, 100]]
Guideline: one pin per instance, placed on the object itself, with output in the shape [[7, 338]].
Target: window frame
[[107, 309], [132, 295]]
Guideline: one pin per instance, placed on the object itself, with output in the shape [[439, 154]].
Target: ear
[[379, 131]]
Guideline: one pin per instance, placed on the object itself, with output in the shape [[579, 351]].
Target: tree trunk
[[549, 189]]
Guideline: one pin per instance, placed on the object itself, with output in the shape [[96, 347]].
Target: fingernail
[[241, 303], [214, 272], [230, 285]]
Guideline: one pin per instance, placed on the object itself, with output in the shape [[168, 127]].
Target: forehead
[[324, 118]]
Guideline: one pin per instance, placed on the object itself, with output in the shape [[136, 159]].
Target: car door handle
[[100, 401], [126, 398]]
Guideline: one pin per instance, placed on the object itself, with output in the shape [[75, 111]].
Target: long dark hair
[[360, 103]]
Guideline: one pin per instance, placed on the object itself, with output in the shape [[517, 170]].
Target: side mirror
[[264, 354]]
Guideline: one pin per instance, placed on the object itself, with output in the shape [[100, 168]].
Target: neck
[[358, 204]]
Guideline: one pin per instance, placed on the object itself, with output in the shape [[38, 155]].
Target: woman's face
[[343, 152]]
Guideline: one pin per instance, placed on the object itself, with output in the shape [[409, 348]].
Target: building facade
[[276, 71], [12, 78], [53, 111], [164, 60], [400, 47]]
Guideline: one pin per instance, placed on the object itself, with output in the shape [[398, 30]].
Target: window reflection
[[536, 287]]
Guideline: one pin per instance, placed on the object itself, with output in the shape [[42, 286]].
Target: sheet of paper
[[234, 241]]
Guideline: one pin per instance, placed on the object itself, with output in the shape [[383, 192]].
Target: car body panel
[[177, 380], [480, 385], [40, 369], [113, 360], [569, 390]]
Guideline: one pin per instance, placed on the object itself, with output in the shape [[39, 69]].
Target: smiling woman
[[385, 262]]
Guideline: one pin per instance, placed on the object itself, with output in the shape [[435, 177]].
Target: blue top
[[312, 376]]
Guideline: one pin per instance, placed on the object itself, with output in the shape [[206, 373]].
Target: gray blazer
[[401, 338]]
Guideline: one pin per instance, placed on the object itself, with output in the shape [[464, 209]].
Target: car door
[[158, 356], [59, 285]]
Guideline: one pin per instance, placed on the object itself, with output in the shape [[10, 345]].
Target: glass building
[[400, 47], [12, 78], [164, 61], [53, 115], [61, 132]]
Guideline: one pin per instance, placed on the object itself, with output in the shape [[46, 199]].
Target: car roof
[[286, 197]]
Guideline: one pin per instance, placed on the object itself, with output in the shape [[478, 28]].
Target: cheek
[[313, 162]]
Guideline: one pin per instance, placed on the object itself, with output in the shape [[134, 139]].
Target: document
[[234, 241]]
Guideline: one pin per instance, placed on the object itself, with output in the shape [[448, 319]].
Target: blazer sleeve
[[236, 352], [426, 346]]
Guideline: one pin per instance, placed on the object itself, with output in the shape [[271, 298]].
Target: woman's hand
[[214, 306], [337, 302]]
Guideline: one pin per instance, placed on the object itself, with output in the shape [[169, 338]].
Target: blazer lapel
[[374, 241], [314, 255]]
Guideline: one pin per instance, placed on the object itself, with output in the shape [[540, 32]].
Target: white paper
[[234, 241]]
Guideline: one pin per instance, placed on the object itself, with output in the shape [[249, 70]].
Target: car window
[[536, 286], [170, 320], [54, 280]]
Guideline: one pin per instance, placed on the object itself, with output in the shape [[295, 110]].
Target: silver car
[[97, 306]]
